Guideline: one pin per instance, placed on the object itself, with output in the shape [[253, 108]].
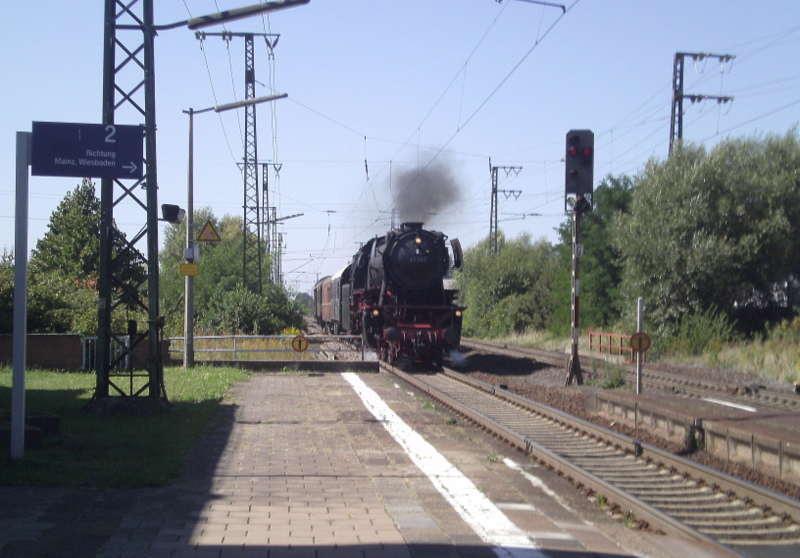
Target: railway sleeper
[[601, 461], [593, 453], [646, 489], [720, 510], [740, 514], [669, 496], [692, 500], [756, 536], [644, 476], [748, 524], [629, 476], [648, 482]]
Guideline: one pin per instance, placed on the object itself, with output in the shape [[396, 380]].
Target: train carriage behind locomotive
[[394, 293]]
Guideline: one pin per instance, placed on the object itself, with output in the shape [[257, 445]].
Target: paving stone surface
[[296, 466]]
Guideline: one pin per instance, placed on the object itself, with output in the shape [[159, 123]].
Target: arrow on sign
[[132, 167]]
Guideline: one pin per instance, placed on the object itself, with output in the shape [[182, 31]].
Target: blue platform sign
[[87, 150]]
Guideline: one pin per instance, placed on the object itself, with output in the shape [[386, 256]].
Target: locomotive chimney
[[412, 226]]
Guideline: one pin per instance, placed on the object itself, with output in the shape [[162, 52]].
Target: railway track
[[668, 493], [660, 380]]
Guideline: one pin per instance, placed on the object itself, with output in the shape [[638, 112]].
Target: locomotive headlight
[[376, 312], [458, 313], [418, 240]]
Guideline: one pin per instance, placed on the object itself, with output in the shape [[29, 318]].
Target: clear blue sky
[[398, 84]]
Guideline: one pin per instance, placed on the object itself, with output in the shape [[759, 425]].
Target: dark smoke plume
[[419, 194]]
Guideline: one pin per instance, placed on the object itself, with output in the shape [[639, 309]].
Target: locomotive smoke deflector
[[458, 254]]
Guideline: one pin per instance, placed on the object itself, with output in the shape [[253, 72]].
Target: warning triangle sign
[[208, 234]]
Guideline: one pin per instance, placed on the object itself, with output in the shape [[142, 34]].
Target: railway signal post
[[579, 185]]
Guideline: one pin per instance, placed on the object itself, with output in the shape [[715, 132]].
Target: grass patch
[[112, 450]]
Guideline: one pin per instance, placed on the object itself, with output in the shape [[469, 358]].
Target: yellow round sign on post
[[640, 342], [300, 343]]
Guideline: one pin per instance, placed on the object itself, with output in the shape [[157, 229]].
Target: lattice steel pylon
[[678, 95], [251, 228], [494, 232], [274, 243], [129, 92], [266, 224], [253, 218]]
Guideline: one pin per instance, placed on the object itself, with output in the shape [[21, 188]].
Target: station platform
[[332, 465], [765, 440]]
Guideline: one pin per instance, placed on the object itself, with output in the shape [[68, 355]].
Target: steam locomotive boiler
[[394, 294]]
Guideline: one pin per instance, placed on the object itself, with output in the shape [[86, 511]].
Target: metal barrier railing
[[618, 344], [249, 347], [89, 353]]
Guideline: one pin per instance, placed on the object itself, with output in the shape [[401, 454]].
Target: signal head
[[579, 162]]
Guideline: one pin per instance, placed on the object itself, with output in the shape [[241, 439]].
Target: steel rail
[[759, 496], [656, 518]]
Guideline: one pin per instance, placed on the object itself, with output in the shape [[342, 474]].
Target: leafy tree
[[508, 291], [221, 304], [716, 232], [55, 304], [243, 311], [71, 245], [64, 266], [306, 301], [600, 267], [6, 291]]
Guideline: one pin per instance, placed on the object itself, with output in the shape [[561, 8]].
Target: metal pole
[[188, 311], [20, 298], [493, 217], [676, 119], [574, 364], [639, 355], [102, 356], [154, 364], [188, 314]]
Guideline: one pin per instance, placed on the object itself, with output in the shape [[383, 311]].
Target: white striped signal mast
[[578, 190]]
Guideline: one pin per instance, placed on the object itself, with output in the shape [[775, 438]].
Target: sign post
[[640, 342], [58, 149], [20, 298]]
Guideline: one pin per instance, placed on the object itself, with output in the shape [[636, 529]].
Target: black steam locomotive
[[394, 293]]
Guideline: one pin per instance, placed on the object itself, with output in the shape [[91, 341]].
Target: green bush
[[608, 376], [699, 332], [244, 311], [508, 291]]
